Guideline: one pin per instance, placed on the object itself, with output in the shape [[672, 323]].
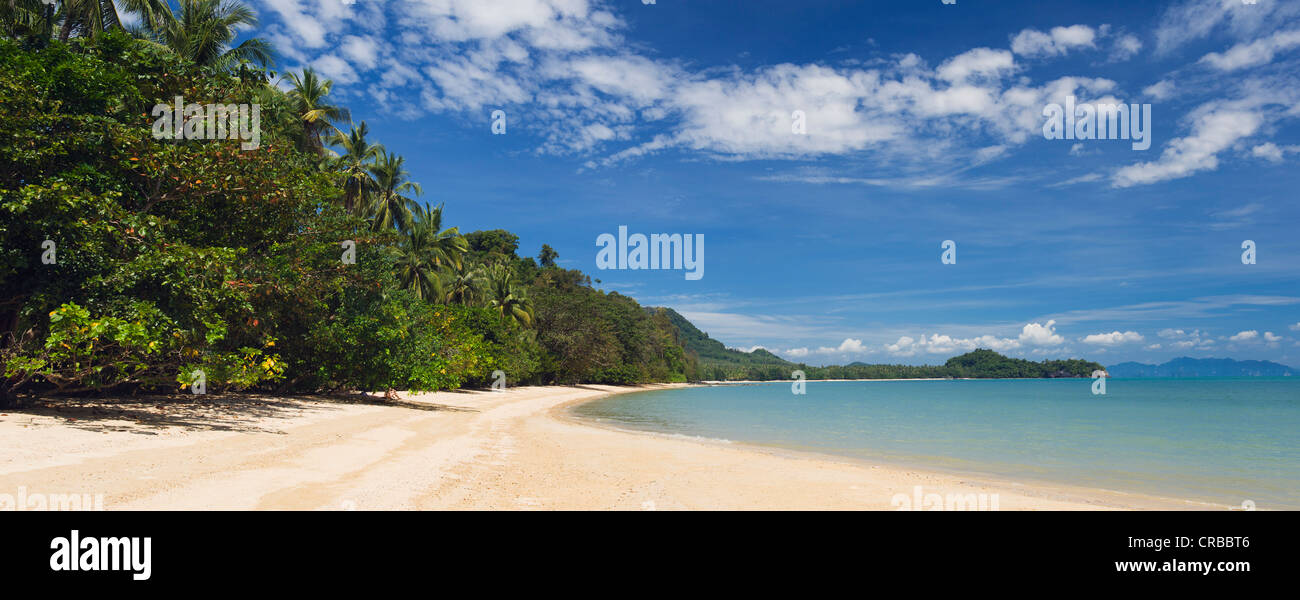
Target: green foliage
[[547, 256], [148, 286], [989, 364], [594, 337], [492, 246], [84, 353]]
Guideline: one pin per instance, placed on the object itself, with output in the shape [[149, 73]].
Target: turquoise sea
[[1220, 440]]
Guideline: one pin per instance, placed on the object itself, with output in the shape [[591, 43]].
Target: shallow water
[[1221, 440]]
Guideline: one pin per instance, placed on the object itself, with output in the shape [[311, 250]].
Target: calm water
[[1220, 440]]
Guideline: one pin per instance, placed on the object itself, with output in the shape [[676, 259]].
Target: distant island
[[1203, 367], [716, 362]]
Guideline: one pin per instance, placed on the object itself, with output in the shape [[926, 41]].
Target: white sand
[[516, 449]]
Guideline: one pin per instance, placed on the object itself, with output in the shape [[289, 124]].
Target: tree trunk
[[66, 31]]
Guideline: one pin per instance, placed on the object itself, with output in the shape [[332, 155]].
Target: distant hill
[[720, 363], [714, 356], [1203, 367]]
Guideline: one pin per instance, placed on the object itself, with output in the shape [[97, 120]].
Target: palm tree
[[279, 112], [23, 18], [358, 154], [151, 12], [308, 96], [415, 272], [203, 32], [505, 296], [428, 253], [447, 246], [389, 208], [462, 284], [89, 17]]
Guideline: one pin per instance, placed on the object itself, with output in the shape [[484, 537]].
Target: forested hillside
[[313, 262]]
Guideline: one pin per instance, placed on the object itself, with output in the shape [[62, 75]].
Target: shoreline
[[1116, 499], [518, 449]]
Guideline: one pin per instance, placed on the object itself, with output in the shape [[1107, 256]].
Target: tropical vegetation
[[315, 262]]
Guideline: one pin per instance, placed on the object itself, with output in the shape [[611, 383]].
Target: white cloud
[[362, 51], [335, 68], [1295, 327], [1086, 178], [1058, 41], [1186, 340], [946, 344], [1255, 53], [1272, 152], [797, 352], [1213, 132], [1126, 47], [1035, 334], [851, 345], [1160, 90], [1113, 338], [1271, 338], [1245, 336], [307, 30], [976, 63], [639, 79], [1191, 20]]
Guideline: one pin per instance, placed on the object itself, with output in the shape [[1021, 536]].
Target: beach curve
[[514, 449]]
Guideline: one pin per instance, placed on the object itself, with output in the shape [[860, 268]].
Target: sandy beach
[[516, 450]]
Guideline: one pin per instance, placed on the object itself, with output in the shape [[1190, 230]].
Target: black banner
[[226, 550]]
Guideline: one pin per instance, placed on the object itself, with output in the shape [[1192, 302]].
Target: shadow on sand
[[147, 415]]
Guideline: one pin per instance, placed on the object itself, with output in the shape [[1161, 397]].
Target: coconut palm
[[462, 285], [505, 296], [415, 272], [151, 12], [358, 154], [308, 94], [279, 112], [202, 32], [22, 18], [88, 18], [430, 262], [389, 208], [447, 246]]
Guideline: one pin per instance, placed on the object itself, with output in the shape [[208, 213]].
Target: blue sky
[[923, 123]]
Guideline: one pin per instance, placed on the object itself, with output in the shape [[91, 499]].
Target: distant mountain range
[[1203, 367]]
